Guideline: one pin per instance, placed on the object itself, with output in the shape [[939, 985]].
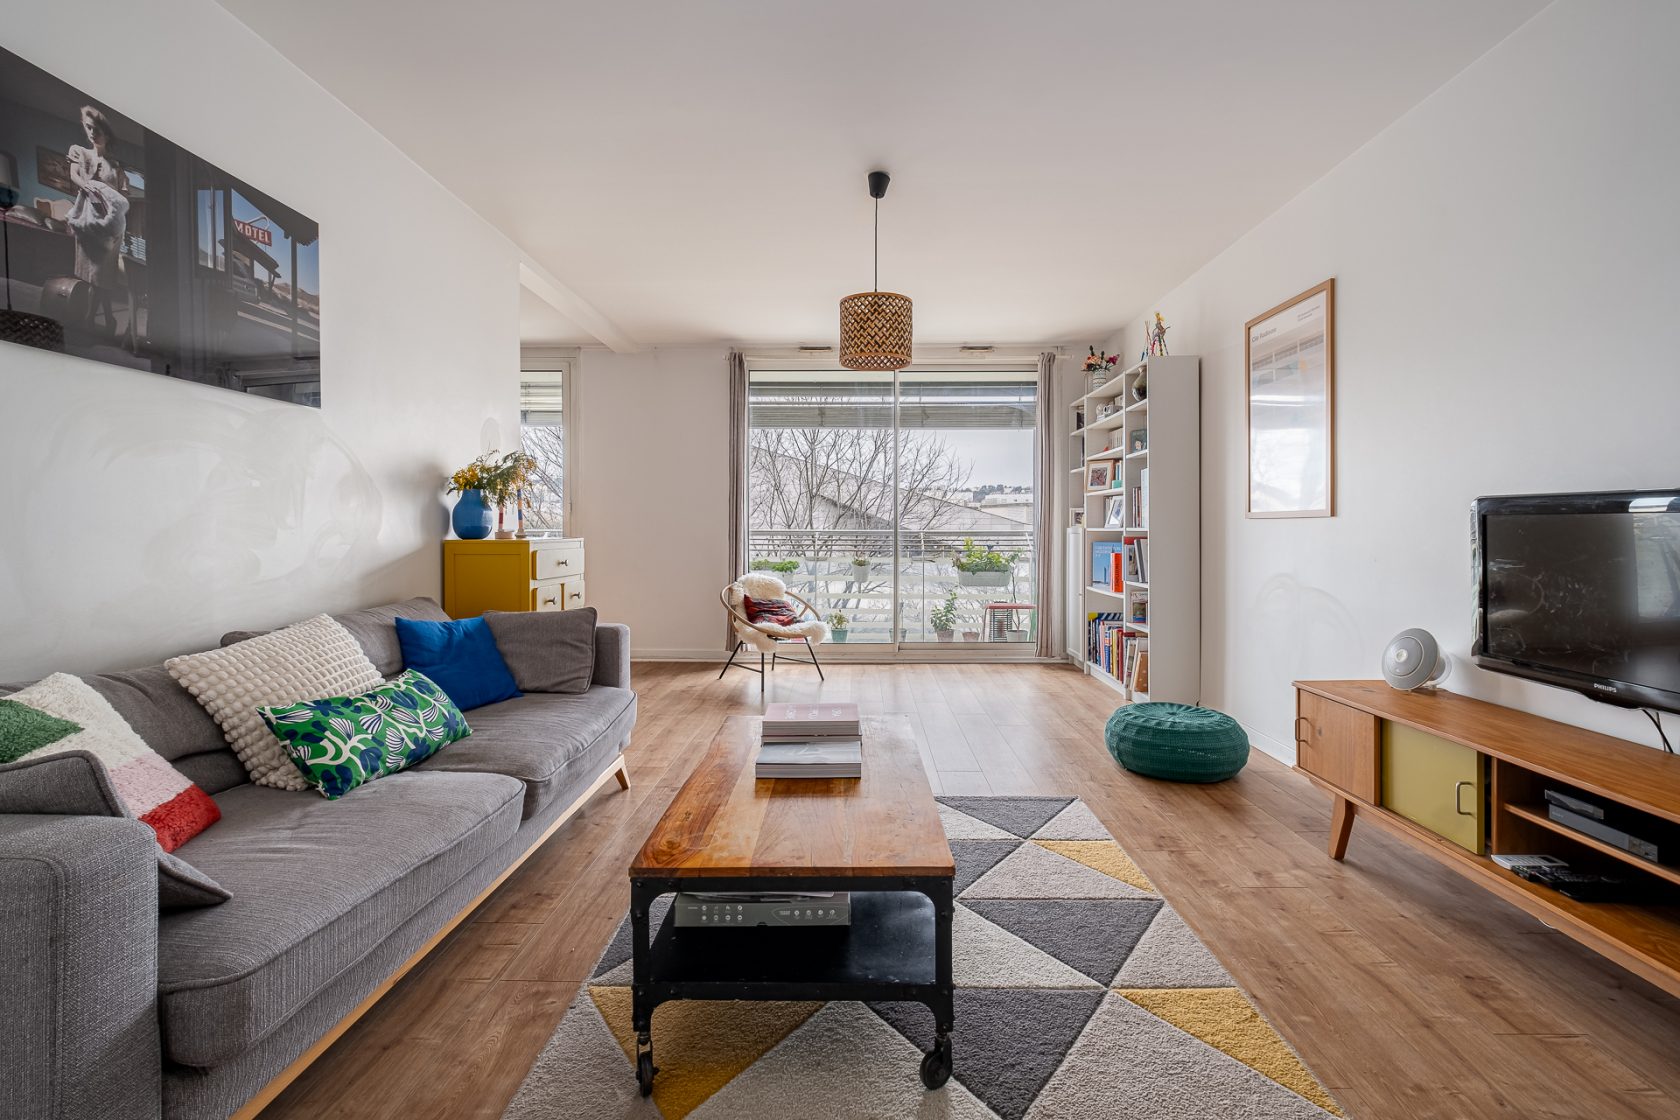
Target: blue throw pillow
[[461, 657]]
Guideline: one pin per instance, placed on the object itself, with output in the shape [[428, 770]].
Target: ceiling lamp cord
[[877, 280]]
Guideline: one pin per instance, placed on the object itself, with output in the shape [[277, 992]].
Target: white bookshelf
[[1168, 517]]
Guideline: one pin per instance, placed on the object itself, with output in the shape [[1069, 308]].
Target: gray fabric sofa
[[112, 1009]]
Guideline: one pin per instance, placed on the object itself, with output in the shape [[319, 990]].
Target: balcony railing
[[851, 572]]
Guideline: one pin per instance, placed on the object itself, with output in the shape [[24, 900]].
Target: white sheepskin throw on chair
[[762, 636]]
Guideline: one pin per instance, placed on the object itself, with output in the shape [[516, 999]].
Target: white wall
[[650, 491], [1507, 264], [143, 515]]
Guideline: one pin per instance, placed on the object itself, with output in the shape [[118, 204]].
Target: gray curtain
[[1044, 519], [738, 558]]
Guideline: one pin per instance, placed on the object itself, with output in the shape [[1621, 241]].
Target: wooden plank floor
[[1410, 992]]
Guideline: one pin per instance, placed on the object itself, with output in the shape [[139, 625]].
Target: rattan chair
[[739, 618]]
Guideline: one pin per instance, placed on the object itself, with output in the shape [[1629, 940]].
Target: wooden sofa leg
[[623, 775]]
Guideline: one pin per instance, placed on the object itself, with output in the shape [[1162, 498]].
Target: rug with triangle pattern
[[1080, 993]]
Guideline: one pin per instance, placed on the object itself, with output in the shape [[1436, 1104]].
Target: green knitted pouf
[[1178, 742]]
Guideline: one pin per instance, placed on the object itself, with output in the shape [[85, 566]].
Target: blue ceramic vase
[[473, 518]]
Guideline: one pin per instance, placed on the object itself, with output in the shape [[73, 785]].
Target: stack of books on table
[[811, 741]]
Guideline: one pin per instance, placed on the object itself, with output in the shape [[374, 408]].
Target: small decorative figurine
[[1158, 337]]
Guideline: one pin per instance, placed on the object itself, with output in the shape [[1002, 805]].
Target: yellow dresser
[[521, 575]]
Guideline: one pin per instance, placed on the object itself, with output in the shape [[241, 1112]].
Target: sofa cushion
[[535, 737], [461, 657], [547, 651], [316, 886], [347, 741]]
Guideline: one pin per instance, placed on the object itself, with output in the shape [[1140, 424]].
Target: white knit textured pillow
[[309, 660]]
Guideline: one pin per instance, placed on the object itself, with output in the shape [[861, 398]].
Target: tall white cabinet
[[1146, 422]]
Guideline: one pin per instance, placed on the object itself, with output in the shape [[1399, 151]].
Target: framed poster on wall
[[1289, 363], [120, 246]]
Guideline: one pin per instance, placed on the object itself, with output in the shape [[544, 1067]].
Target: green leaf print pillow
[[345, 741]]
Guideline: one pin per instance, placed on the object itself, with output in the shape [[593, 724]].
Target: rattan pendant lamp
[[875, 325]]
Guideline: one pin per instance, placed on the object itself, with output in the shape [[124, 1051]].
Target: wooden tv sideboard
[[1461, 780]]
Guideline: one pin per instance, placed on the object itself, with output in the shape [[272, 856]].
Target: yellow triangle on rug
[[701, 1046], [1225, 1019], [1101, 855]]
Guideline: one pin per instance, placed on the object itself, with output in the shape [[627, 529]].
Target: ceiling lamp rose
[[875, 325]]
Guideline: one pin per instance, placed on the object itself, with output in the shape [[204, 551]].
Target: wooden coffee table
[[878, 837]]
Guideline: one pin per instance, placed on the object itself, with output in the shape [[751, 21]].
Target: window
[[902, 502], [542, 432]]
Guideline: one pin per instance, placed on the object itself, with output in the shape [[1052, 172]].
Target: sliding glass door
[[899, 505]]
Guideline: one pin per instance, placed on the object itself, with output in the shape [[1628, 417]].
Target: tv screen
[[1583, 590]]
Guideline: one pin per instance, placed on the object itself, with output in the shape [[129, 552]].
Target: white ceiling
[[695, 171]]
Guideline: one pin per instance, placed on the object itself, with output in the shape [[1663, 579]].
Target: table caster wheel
[[936, 1067], [645, 1069]]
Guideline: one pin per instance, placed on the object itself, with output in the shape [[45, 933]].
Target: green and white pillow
[[342, 742]]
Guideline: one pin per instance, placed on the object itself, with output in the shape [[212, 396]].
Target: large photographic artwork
[[122, 247]]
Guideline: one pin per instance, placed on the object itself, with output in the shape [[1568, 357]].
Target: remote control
[[1582, 886]]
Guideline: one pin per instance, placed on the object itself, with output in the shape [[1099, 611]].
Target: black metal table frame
[[648, 992]]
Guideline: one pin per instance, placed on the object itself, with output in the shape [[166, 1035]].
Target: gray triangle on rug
[[1021, 816], [1007, 1043], [973, 858], [1094, 935]]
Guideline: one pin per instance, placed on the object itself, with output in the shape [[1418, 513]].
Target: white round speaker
[[1413, 659]]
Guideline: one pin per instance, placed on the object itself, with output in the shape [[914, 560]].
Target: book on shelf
[[1142, 521], [1102, 561], [1102, 630], [1137, 607], [825, 758], [808, 722]]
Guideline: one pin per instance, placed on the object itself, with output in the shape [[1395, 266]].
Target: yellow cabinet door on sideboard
[[1436, 783], [539, 574]]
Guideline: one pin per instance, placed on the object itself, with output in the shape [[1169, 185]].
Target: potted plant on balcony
[[860, 566], [944, 618], [1013, 630], [979, 566], [780, 567], [837, 626]]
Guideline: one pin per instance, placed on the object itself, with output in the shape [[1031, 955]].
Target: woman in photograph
[[99, 218]]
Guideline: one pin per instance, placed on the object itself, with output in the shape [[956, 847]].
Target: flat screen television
[[1582, 591]]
